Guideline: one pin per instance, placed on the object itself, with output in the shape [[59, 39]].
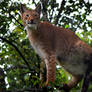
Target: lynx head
[[30, 18]]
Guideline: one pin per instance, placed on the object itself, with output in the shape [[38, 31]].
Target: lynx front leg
[[73, 83], [51, 69]]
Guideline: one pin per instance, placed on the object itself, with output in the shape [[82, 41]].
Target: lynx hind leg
[[73, 83], [42, 71]]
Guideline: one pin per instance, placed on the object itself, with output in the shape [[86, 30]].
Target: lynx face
[[31, 18]]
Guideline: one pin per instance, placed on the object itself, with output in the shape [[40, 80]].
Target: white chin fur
[[31, 26]]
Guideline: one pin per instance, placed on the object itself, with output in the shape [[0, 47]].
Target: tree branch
[[44, 9], [11, 16], [33, 1], [52, 7], [86, 82], [7, 41], [87, 77], [60, 11]]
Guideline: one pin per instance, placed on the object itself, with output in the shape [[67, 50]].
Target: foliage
[[15, 48]]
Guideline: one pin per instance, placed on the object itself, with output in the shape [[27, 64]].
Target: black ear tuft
[[38, 8], [22, 8]]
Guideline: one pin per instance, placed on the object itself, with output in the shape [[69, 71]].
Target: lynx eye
[[27, 15]]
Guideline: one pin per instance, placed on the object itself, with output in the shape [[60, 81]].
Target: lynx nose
[[31, 21]]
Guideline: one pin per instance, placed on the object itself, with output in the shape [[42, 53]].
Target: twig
[[11, 16]]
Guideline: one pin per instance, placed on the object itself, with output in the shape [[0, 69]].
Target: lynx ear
[[22, 8], [38, 8]]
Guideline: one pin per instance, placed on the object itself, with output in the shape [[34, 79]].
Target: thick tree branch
[[7, 41]]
